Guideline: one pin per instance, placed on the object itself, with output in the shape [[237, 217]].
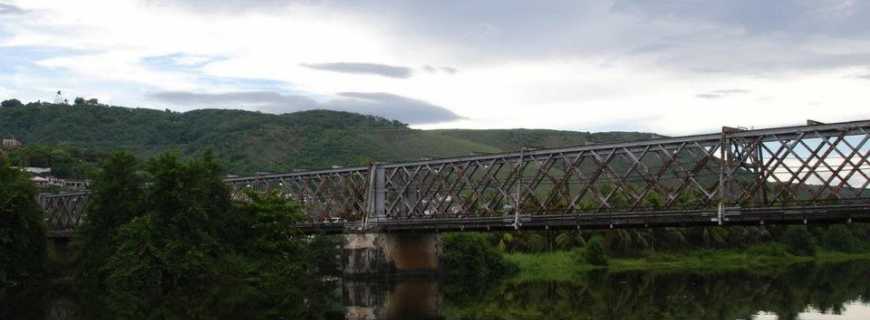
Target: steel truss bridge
[[813, 173]]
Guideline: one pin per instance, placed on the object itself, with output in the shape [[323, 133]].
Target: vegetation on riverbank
[[561, 254], [167, 231], [22, 231], [469, 256], [565, 265]]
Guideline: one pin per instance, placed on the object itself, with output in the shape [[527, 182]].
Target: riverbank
[[564, 265]]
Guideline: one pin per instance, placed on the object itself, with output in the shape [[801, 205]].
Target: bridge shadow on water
[[776, 293]]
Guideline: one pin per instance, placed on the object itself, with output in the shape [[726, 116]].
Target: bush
[[840, 238], [11, 103], [594, 253], [768, 250], [471, 256], [799, 241]]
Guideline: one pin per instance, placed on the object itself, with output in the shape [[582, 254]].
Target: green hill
[[252, 141]]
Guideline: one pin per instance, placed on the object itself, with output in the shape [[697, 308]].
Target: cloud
[[258, 99], [864, 76], [392, 106], [730, 91], [708, 96], [522, 63], [227, 7], [382, 104], [8, 9], [716, 94], [434, 69], [363, 68], [759, 17]]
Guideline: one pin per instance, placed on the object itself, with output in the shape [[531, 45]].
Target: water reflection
[[837, 291], [409, 298], [784, 293]]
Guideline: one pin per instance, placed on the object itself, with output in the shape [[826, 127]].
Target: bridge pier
[[61, 251], [390, 253]]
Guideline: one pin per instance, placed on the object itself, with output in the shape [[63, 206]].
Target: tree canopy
[[22, 232]]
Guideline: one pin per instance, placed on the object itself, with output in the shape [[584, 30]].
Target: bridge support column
[[382, 253], [60, 252]]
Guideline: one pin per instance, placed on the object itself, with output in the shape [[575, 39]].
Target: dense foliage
[[799, 241], [22, 233], [64, 161], [115, 200], [170, 232], [594, 252], [247, 142], [471, 256]]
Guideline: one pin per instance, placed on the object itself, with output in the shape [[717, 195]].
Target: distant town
[[42, 177]]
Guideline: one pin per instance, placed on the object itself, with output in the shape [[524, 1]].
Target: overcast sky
[[671, 66]]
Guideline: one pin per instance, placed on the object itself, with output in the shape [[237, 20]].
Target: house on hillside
[[10, 143], [35, 171]]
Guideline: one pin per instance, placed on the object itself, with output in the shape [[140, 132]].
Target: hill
[[251, 141]]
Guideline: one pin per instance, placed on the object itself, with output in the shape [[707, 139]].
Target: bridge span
[[801, 174]]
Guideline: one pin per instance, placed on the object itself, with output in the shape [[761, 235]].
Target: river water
[[807, 291]]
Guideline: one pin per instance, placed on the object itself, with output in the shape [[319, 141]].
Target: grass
[[562, 265], [557, 265]]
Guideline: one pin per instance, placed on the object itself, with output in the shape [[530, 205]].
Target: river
[[807, 291]]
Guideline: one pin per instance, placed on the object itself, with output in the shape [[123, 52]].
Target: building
[[10, 143], [36, 171], [65, 184]]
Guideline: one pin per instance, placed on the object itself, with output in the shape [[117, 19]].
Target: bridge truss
[[818, 172]]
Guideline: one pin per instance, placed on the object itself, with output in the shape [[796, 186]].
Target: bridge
[[801, 174]]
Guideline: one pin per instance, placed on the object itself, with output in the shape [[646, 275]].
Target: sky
[[671, 66]]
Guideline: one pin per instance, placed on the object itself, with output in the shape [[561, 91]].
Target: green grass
[[562, 265], [557, 265]]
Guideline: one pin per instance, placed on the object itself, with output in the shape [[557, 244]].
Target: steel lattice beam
[[789, 168]]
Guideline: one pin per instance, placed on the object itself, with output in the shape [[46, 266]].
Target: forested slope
[[248, 142]]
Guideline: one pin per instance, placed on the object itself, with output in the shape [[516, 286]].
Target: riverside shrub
[[594, 253], [799, 241], [471, 256]]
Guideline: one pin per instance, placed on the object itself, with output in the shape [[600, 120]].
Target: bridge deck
[[731, 217]]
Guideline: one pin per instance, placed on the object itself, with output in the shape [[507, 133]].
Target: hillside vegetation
[[248, 142]]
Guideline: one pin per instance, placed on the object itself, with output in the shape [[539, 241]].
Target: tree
[[22, 232], [11, 103], [840, 238], [116, 199], [471, 256], [79, 101], [594, 253], [191, 238], [799, 241]]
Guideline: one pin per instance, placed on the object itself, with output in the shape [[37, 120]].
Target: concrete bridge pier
[[367, 254]]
